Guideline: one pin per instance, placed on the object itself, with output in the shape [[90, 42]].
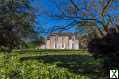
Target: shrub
[[34, 69], [108, 48]]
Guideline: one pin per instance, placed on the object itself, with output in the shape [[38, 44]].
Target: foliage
[[106, 47], [16, 21], [37, 69], [36, 42]]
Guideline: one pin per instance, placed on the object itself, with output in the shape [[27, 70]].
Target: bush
[[108, 48], [34, 69]]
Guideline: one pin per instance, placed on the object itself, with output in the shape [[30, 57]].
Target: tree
[[16, 21], [80, 12], [76, 12], [89, 17]]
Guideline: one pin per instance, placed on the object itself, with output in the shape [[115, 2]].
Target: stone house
[[62, 40]]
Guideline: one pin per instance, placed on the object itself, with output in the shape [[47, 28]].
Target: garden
[[50, 64]]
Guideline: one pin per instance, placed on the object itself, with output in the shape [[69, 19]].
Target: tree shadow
[[78, 64]]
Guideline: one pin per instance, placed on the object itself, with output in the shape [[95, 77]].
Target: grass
[[50, 64]]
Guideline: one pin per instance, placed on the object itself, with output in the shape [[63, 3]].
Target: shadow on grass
[[78, 64]]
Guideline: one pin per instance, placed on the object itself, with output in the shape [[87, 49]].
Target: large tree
[[16, 21], [78, 11], [103, 14]]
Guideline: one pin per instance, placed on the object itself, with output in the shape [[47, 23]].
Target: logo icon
[[114, 74]]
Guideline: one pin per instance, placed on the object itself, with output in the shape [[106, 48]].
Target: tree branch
[[106, 7], [74, 4]]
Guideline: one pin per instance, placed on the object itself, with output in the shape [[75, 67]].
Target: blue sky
[[43, 22]]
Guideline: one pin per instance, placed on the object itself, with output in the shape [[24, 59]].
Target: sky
[[44, 23]]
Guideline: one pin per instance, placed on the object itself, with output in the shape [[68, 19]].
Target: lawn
[[50, 64]]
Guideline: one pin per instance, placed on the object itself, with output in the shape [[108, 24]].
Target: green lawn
[[50, 64]]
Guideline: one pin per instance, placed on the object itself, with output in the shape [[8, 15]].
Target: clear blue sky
[[44, 22]]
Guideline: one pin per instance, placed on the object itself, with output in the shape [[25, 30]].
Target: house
[[62, 40]]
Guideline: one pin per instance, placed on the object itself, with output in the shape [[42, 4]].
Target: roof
[[62, 34], [69, 34]]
